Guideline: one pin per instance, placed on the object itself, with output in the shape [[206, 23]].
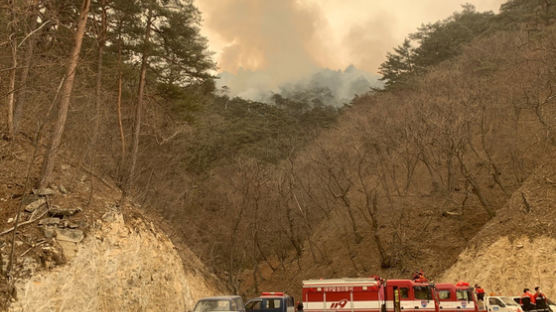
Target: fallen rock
[[62, 189], [34, 205], [69, 224], [50, 221], [69, 235], [44, 191], [48, 232], [51, 256], [10, 220], [56, 211]]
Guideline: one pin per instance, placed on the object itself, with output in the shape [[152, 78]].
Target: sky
[[270, 42]]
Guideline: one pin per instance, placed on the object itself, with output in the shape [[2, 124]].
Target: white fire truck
[[368, 295]]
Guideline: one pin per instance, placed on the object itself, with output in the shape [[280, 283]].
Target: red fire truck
[[368, 295], [456, 298]]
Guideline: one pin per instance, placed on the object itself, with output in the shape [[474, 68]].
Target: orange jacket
[[527, 294]]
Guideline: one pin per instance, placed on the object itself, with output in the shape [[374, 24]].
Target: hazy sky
[[290, 37], [266, 43]]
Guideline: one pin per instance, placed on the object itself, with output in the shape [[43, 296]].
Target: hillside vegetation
[[265, 195]]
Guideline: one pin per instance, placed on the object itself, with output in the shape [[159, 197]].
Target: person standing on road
[[540, 299], [299, 306], [480, 292]]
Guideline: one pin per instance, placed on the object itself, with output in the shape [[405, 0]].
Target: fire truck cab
[[456, 298], [368, 295], [410, 296]]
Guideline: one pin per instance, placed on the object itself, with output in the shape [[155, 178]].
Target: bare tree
[[11, 89], [138, 111], [50, 159]]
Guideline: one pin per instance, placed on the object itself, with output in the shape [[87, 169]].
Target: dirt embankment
[[117, 267], [74, 251]]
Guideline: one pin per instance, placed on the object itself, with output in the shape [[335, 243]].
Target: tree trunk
[[101, 38], [98, 92], [50, 159], [11, 89], [27, 63], [475, 187], [119, 103], [138, 113]]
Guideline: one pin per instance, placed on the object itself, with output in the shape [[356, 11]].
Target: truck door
[[423, 299], [465, 298], [397, 305], [397, 297]]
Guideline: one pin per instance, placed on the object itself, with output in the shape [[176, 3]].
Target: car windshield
[[271, 304], [509, 301], [212, 305]]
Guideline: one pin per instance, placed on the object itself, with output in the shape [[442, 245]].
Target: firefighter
[[480, 292], [416, 276], [419, 277], [540, 299], [299, 306], [527, 300]]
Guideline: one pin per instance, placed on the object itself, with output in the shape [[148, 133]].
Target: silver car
[[220, 304]]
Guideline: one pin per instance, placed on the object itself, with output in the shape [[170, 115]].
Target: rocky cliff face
[[119, 266], [509, 265], [517, 248]]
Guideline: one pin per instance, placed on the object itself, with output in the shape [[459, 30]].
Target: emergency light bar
[[272, 293]]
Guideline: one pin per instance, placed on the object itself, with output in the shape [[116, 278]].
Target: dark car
[[271, 302], [220, 304]]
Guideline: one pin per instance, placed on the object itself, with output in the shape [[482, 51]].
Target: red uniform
[[529, 295], [480, 293]]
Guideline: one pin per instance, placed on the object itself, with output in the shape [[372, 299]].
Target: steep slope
[[517, 248], [76, 251], [117, 267]]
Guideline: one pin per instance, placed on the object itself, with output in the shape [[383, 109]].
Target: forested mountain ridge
[[411, 174], [267, 195]]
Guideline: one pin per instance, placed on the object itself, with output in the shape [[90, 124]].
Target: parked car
[[222, 303], [271, 302], [501, 304]]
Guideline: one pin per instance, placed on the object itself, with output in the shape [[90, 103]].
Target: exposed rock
[[28, 265], [501, 269], [48, 232], [52, 255], [130, 269], [10, 220], [56, 211], [44, 192], [34, 205], [62, 189], [50, 221], [69, 224], [69, 235]]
